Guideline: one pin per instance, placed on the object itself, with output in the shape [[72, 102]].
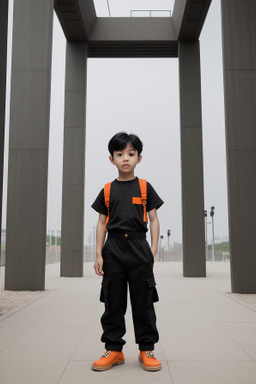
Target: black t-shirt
[[123, 214]]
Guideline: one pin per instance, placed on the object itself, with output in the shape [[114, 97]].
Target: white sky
[[142, 96], [123, 8]]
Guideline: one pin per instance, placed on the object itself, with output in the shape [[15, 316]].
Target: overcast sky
[[142, 96]]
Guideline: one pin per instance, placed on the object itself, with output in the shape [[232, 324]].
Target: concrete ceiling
[[131, 37]]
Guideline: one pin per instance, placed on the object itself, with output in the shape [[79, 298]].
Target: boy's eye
[[131, 154], [119, 154]]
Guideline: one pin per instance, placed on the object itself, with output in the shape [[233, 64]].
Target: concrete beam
[[239, 59], [194, 264], [76, 18], [28, 145], [188, 18], [133, 29], [72, 232], [3, 57], [133, 37]]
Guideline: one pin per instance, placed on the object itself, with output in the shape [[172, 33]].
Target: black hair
[[120, 140]]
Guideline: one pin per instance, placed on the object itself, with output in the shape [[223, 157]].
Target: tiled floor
[[205, 336]]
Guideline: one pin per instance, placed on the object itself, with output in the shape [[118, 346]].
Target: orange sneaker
[[108, 360], [150, 363]]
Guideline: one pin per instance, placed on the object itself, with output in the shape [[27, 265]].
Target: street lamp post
[[212, 216], [168, 238], [160, 248], [206, 240]]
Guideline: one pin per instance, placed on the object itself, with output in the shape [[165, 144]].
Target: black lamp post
[[168, 238], [212, 216], [160, 248], [206, 240]]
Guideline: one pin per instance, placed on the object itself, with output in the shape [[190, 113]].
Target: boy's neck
[[126, 176]]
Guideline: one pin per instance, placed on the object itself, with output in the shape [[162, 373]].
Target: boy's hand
[[154, 251], [98, 266]]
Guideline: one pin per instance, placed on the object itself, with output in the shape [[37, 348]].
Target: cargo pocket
[[104, 290], [152, 295]]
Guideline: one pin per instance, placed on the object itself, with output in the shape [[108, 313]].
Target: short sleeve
[[99, 204], [153, 200]]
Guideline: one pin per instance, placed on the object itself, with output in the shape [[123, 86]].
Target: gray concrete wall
[[239, 55], [191, 160], [72, 230], [28, 145], [3, 56]]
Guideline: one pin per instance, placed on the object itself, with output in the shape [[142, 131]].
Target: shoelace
[[150, 354], [106, 354]]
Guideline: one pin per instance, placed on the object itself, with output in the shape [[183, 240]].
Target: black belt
[[127, 235]]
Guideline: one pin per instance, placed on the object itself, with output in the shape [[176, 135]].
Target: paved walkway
[[206, 336]]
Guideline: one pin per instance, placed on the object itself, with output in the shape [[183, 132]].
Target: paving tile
[[7, 337], [212, 373], [80, 372], [244, 333], [38, 356], [66, 317], [200, 344], [26, 315], [228, 311], [182, 313]]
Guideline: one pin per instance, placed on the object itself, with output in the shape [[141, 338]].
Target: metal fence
[[53, 251], [150, 13]]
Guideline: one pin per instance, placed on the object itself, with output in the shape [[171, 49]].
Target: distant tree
[[224, 247], [53, 240]]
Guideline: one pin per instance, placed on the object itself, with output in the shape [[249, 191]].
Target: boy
[[126, 257]]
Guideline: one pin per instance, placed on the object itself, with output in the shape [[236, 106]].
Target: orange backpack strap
[[107, 198], [143, 191]]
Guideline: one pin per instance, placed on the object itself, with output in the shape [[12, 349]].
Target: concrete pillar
[[28, 145], [3, 57], [72, 227], [191, 160], [239, 58]]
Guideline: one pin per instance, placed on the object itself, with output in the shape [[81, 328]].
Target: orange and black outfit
[[128, 260]]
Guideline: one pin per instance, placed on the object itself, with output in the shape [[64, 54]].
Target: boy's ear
[[111, 160], [139, 159]]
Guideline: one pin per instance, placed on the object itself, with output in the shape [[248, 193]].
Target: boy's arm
[[100, 237], [154, 230]]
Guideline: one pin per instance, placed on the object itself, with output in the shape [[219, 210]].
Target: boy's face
[[126, 160]]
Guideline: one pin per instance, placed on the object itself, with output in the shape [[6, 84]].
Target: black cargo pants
[[128, 260]]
